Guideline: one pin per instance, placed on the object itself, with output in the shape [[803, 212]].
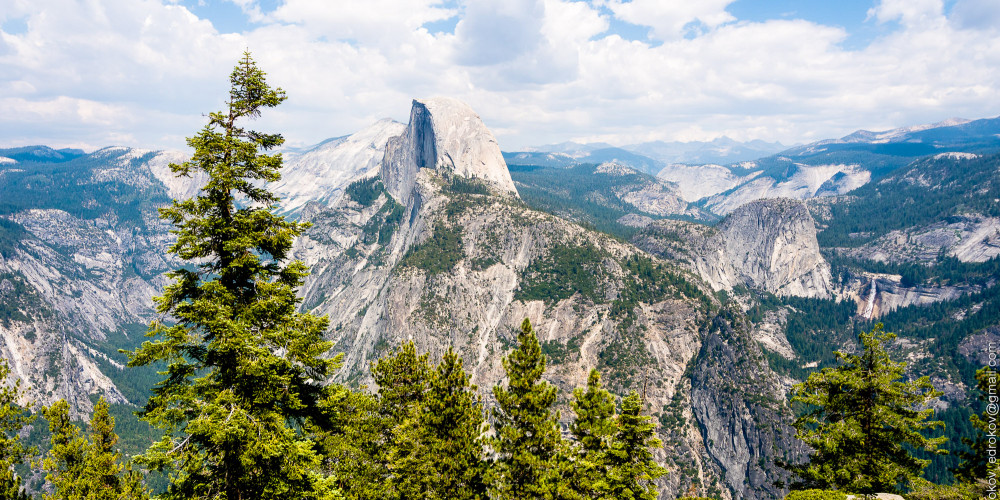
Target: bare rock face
[[739, 404], [321, 173], [879, 294], [447, 135], [766, 245], [77, 281], [969, 238]]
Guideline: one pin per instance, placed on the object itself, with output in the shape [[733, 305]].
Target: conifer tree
[[862, 417], [402, 380], [593, 429], [446, 460], [632, 469], [108, 478], [13, 417], [975, 465], [351, 442], [244, 368], [527, 430], [595, 415], [82, 469], [66, 462]]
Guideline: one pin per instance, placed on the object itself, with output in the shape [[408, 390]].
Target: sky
[[143, 73]]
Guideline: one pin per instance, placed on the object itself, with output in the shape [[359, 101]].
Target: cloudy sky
[[92, 73]]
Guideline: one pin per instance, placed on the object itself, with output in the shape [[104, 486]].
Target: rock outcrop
[[767, 245], [321, 173], [967, 237], [878, 294], [447, 135], [801, 182], [76, 282], [739, 403]]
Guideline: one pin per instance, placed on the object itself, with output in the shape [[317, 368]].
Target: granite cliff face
[[798, 181], [767, 245], [77, 273], [740, 405], [443, 134], [322, 172]]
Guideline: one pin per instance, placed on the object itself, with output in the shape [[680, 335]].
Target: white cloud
[[371, 22], [911, 13], [537, 71], [668, 18]]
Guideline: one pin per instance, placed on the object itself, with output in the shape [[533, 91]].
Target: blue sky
[[143, 72]]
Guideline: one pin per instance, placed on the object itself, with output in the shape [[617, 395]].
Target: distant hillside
[[600, 195], [835, 166], [39, 154]]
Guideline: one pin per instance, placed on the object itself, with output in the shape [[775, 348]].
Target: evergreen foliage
[[350, 440], [593, 429], [439, 253], [527, 430], [244, 368], [403, 380], [960, 186], [445, 456], [66, 462], [108, 476], [862, 420], [563, 271], [364, 192], [632, 469], [816, 495], [13, 452], [976, 463], [88, 469]]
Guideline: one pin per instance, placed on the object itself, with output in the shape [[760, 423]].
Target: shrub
[[816, 495]]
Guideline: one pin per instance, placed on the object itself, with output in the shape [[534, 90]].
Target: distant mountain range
[[830, 167], [647, 156], [724, 174]]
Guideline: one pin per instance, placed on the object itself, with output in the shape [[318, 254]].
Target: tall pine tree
[[862, 422], [632, 469], [91, 470], [109, 478], [244, 368], [593, 429], [446, 456], [13, 417], [66, 462], [403, 381], [527, 436], [351, 443]]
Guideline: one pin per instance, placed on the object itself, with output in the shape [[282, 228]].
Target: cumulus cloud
[[537, 71], [669, 18]]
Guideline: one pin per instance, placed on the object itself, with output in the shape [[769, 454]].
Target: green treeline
[[962, 186], [943, 270], [422, 434]]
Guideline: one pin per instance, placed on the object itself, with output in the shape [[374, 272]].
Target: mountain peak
[[443, 134]]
